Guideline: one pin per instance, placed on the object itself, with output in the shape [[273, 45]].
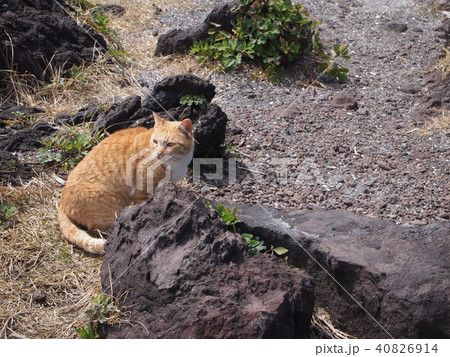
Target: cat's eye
[[169, 145], [155, 141]]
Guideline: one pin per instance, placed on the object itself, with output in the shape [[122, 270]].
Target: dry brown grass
[[106, 79], [321, 323], [442, 66], [438, 124], [35, 256], [68, 91], [136, 38]]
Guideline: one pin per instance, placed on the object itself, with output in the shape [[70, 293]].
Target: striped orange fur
[[122, 169]]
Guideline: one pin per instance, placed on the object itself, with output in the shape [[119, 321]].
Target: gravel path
[[298, 148]]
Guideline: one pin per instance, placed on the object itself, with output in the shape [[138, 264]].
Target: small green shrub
[[101, 309], [71, 76], [194, 100], [228, 216], [273, 32], [101, 22], [87, 332], [22, 119], [119, 55], [7, 211], [68, 149], [330, 65], [255, 243], [92, 15]]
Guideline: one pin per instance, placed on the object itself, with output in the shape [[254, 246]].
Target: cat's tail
[[78, 236]]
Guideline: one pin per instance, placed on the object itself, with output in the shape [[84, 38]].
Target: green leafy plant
[[228, 216], [273, 32], [92, 15], [330, 65], [194, 100], [101, 22], [87, 332], [22, 119], [71, 76], [68, 149], [7, 211], [255, 243], [101, 309], [119, 55], [231, 151]]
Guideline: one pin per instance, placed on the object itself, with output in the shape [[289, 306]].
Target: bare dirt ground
[[293, 146]]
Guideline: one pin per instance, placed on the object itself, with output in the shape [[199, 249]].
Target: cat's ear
[[186, 127], [158, 120]]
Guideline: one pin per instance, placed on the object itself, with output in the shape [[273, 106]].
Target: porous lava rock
[[209, 123], [375, 278], [25, 140], [13, 112], [118, 115], [34, 33], [167, 93], [12, 170], [345, 100], [180, 274], [180, 41]]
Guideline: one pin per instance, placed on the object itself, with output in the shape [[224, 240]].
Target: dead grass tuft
[[34, 256], [437, 124], [323, 327], [68, 91], [442, 65]]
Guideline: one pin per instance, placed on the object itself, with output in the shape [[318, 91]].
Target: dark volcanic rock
[[36, 32], [118, 115], [180, 41], [344, 100], [39, 297], [437, 92], [113, 9], [13, 112], [209, 123], [12, 170], [183, 275], [397, 27], [396, 273], [166, 94], [86, 114], [25, 140]]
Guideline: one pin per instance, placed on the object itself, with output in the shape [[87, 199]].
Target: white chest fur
[[177, 167]]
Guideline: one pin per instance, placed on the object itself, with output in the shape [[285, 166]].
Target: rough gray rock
[[397, 27], [17, 110], [398, 273], [180, 41], [118, 115], [25, 140], [344, 100], [209, 123], [86, 114], [35, 32], [181, 274], [167, 93]]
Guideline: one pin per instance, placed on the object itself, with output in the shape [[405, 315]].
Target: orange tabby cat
[[125, 167]]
